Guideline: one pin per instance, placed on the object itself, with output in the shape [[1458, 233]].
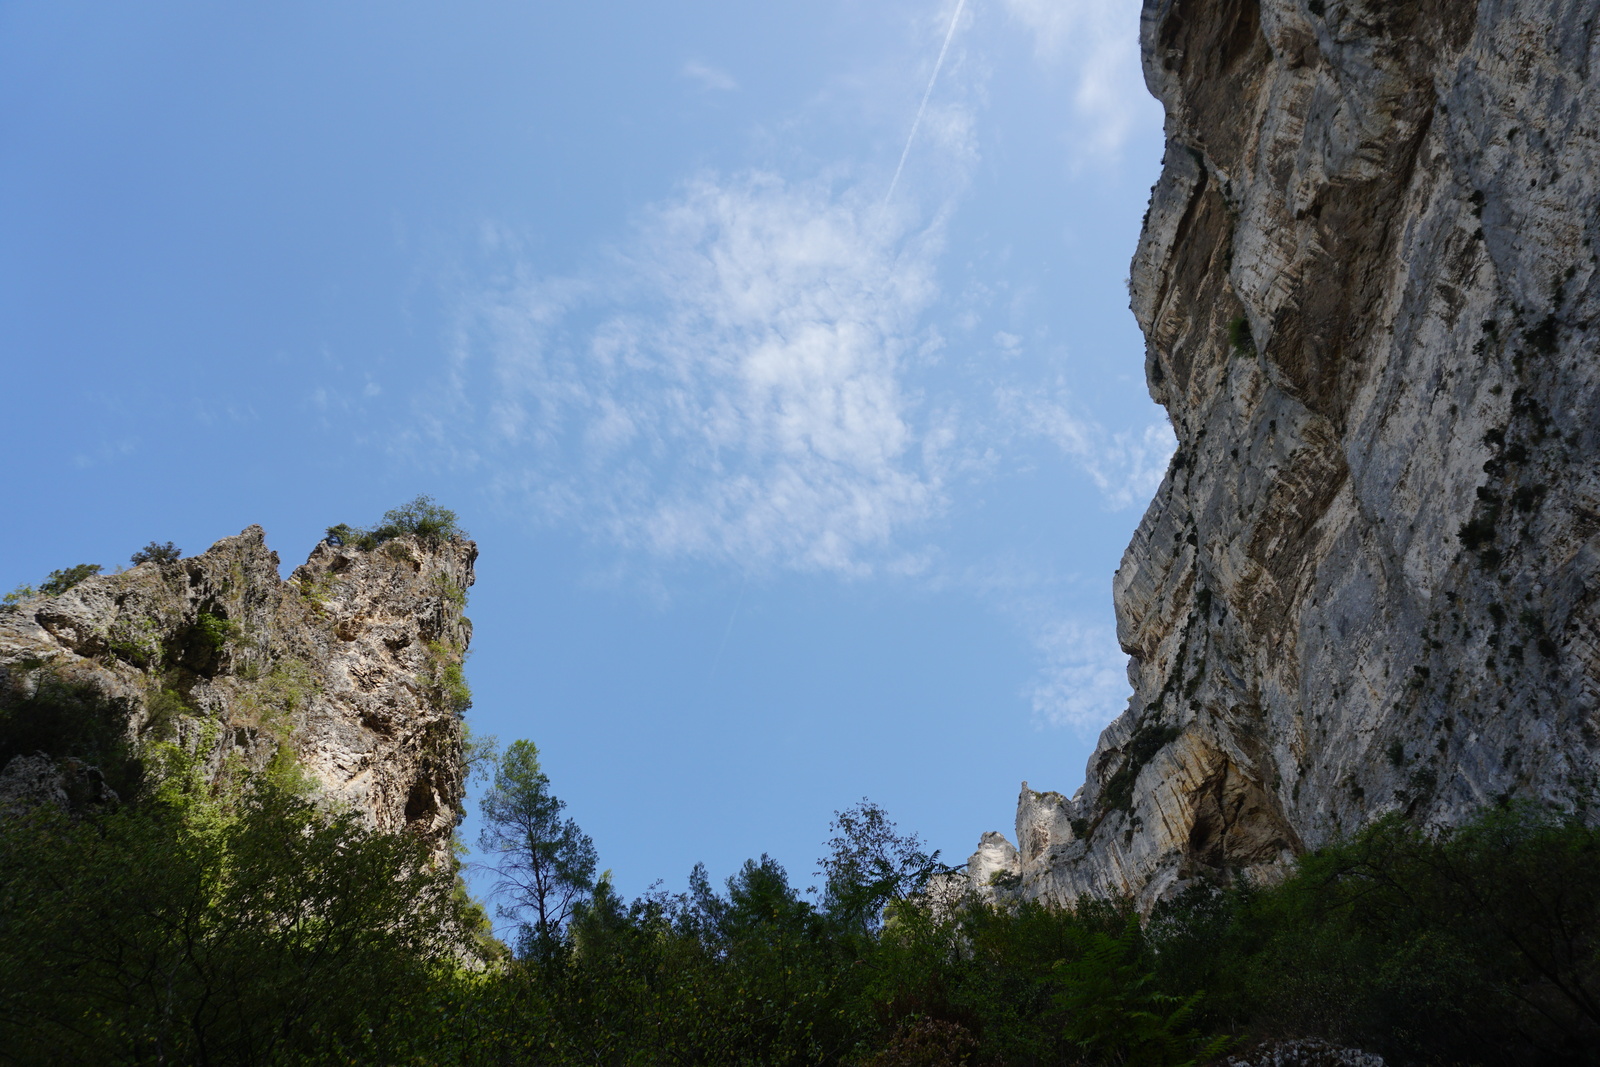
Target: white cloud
[[709, 77], [1125, 465], [1084, 682], [1098, 41], [753, 376], [736, 390]]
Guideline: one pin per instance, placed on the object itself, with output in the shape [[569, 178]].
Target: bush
[[181, 932], [68, 718], [59, 582], [421, 518], [215, 631], [264, 931], [1239, 336], [1479, 945], [156, 553]]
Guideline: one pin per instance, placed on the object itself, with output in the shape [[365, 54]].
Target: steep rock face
[[1370, 581], [346, 675]]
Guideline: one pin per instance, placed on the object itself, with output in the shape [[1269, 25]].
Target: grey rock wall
[[340, 675], [1370, 581]]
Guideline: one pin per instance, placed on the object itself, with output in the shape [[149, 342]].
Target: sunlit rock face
[[1368, 584], [340, 677]]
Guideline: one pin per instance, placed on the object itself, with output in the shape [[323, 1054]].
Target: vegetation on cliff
[[422, 518], [256, 929], [166, 898]]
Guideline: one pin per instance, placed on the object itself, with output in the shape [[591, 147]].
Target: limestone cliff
[[1370, 581], [346, 675]]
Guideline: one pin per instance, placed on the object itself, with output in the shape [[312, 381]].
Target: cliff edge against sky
[[1370, 581], [346, 676]]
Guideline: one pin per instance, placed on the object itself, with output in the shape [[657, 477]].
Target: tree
[[871, 866], [421, 518], [546, 863], [187, 930], [157, 553], [58, 582]]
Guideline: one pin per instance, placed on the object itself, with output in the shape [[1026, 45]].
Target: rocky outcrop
[[1370, 581], [346, 678]]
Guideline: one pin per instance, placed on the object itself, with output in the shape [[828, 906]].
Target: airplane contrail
[[951, 32]]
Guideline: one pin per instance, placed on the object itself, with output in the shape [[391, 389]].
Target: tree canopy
[[545, 864]]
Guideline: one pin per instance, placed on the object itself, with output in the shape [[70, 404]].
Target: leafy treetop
[[545, 863], [59, 582], [155, 552], [422, 518]]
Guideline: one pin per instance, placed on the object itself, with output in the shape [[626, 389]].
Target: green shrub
[[259, 930], [59, 582], [344, 534], [1114, 1010], [157, 553], [68, 718], [163, 709], [1239, 336], [421, 518], [216, 631], [446, 679], [172, 932]]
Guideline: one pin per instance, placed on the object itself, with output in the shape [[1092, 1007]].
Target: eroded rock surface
[[1369, 582], [347, 675]]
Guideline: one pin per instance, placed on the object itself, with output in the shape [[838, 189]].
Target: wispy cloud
[[1084, 681], [1097, 42], [1125, 465], [764, 373], [735, 388], [709, 78]]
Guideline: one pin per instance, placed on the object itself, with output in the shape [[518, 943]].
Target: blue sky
[[799, 449]]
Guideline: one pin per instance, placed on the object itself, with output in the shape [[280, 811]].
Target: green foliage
[[545, 863], [226, 920], [275, 698], [421, 518], [163, 709], [43, 710], [1475, 947], [134, 639], [19, 594], [1113, 1010], [155, 552], [344, 534], [1478, 945], [317, 588], [1147, 740], [170, 933], [450, 591], [215, 631], [871, 866], [58, 582], [446, 679], [480, 754], [1239, 336]]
